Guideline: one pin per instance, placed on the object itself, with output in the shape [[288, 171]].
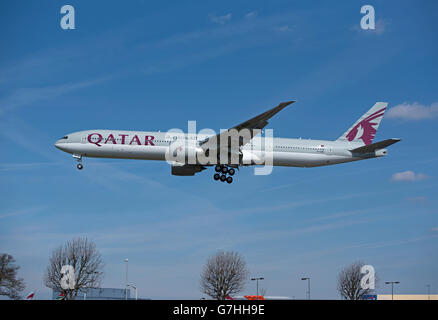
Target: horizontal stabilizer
[[375, 146]]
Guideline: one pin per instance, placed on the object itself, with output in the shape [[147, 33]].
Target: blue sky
[[147, 65]]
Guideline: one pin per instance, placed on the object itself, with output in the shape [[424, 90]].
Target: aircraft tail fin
[[364, 129]]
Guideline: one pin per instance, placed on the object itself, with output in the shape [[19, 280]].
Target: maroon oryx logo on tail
[[365, 129]]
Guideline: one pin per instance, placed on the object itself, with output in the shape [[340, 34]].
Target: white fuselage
[[154, 146]]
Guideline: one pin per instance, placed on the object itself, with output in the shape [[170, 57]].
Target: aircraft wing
[[375, 146], [254, 126]]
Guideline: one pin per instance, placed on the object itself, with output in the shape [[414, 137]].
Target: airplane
[[242, 150]]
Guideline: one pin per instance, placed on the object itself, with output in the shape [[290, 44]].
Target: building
[[408, 297], [99, 294]]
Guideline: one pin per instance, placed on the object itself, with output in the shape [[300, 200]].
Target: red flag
[[61, 296], [30, 296]]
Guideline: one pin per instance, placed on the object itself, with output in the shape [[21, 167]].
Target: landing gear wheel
[[231, 172], [229, 179], [224, 169], [217, 176], [79, 166], [223, 178], [217, 168]]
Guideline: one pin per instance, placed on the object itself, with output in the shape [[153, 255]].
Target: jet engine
[[183, 169]]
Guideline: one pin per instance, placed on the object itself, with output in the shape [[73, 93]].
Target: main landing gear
[[221, 173], [78, 158]]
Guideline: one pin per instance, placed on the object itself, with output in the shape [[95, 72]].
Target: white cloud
[[27, 96], [251, 14], [379, 28], [282, 28], [417, 199], [21, 212], [408, 176], [413, 111], [220, 19], [25, 166]]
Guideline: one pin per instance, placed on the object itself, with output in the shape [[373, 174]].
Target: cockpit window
[[64, 137]]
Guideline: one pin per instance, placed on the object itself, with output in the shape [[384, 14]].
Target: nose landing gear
[[222, 172], [78, 158]]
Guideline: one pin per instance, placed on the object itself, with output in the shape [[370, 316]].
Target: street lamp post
[[126, 284], [308, 285], [392, 287], [257, 280]]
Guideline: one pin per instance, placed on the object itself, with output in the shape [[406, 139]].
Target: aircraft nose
[[59, 144]]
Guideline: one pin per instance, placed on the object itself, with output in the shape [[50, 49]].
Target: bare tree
[[10, 285], [349, 282], [224, 274], [87, 265]]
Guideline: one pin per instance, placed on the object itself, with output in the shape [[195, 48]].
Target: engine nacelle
[[182, 169]]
